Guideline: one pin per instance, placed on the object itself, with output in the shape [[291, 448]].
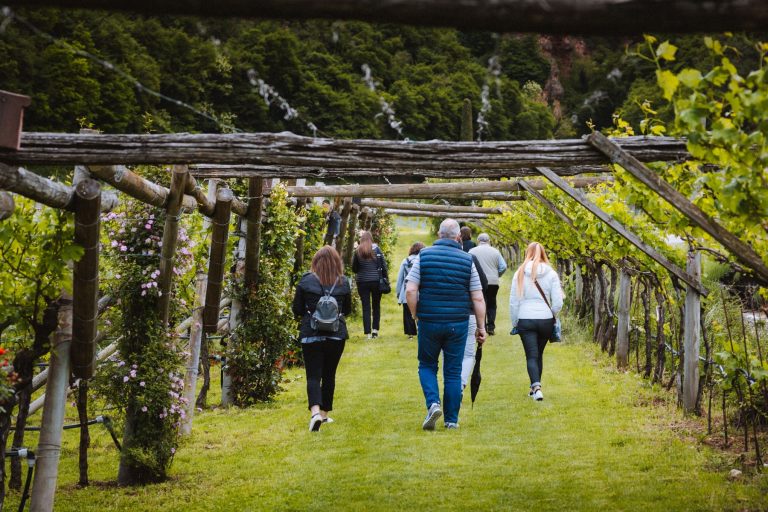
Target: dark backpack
[[326, 316]]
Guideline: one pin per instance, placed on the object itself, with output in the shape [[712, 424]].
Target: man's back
[[444, 273], [489, 259]]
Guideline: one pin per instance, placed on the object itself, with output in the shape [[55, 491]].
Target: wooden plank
[[217, 259], [431, 190], [317, 157], [253, 231], [546, 202], [622, 333], [595, 17], [416, 213], [692, 336], [170, 237], [422, 207], [85, 287], [623, 231], [742, 251]]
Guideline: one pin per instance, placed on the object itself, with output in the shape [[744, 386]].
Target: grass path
[[594, 443]]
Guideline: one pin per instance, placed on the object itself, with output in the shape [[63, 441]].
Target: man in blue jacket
[[443, 290]]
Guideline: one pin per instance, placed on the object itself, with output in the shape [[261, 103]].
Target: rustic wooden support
[[314, 157], [692, 336], [349, 246], [622, 334], [623, 231], [193, 357], [422, 207], [253, 231], [205, 204], [85, 288], [430, 190], [546, 202], [7, 205], [596, 17], [298, 257], [170, 237], [234, 312], [44, 191], [742, 251], [49, 444], [365, 215], [345, 211], [217, 259], [417, 213]]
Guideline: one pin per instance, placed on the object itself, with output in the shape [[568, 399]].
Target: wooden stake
[[217, 259], [345, 210], [692, 334], [253, 231], [623, 231], [349, 246], [85, 288], [622, 335], [193, 359], [170, 236]]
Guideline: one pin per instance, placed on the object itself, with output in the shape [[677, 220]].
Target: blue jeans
[[451, 338]]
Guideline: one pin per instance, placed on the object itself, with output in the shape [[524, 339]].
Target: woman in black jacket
[[322, 349], [365, 264]]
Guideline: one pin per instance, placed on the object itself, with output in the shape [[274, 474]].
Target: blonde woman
[[536, 297]]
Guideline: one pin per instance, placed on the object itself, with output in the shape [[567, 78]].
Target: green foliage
[[313, 231], [384, 234], [266, 329]]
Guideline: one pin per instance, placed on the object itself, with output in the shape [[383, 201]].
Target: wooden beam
[[622, 332], [546, 202], [43, 190], [253, 231], [416, 213], [422, 207], [623, 231], [85, 287], [319, 157], [345, 211], [431, 190], [742, 251], [596, 17], [170, 237], [217, 259], [7, 205], [692, 336]]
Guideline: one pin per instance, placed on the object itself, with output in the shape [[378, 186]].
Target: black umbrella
[[474, 382]]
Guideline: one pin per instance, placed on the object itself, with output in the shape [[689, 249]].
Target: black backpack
[[326, 316]]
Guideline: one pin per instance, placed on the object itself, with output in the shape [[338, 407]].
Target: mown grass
[[595, 443]]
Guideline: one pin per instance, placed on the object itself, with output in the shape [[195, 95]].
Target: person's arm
[[336, 223], [514, 301], [400, 278], [478, 303], [298, 302], [355, 263], [556, 294], [502, 265], [412, 297], [346, 304]]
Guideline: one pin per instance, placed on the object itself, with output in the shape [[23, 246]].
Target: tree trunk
[[205, 363], [85, 435], [646, 297], [660, 337]]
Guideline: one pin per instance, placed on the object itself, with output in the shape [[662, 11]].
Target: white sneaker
[[369, 336], [314, 422], [538, 395], [433, 414]]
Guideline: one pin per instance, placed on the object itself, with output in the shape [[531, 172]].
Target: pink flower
[[144, 409], [114, 243], [142, 383], [147, 226], [126, 378], [123, 248]]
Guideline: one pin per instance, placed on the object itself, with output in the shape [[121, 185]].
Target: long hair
[[466, 233], [327, 265], [365, 247], [415, 248], [533, 253]]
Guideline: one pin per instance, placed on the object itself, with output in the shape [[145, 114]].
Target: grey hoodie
[[531, 305]]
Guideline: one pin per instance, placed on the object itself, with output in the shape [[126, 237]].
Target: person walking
[[333, 222], [466, 239], [536, 297], [322, 329], [470, 350], [409, 325], [442, 289], [494, 266], [366, 262]]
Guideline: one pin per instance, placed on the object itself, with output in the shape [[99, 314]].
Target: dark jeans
[[409, 324], [535, 334], [370, 296], [451, 338], [490, 307], [321, 359]]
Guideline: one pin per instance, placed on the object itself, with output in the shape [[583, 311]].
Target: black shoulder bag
[[384, 286]]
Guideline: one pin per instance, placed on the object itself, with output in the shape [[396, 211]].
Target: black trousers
[[490, 307], [409, 324], [535, 334], [370, 297], [321, 359]]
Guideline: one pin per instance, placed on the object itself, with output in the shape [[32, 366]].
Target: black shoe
[[491, 332], [374, 334]]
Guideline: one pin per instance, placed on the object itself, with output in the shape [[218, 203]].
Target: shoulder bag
[[556, 335], [384, 286]]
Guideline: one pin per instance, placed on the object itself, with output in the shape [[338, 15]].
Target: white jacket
[[531, 305]]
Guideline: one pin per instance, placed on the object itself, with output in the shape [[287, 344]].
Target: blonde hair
[[536, 254]]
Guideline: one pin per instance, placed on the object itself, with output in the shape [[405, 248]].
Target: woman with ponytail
[[536, 297]]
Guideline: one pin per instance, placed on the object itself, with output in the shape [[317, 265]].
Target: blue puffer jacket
[[445, 272]]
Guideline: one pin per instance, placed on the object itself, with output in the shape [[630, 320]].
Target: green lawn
[[593, 444]]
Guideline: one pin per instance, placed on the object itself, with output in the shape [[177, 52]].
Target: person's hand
[[514, 330], [481, 335]]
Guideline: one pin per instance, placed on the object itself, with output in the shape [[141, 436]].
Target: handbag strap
[[543, 296]]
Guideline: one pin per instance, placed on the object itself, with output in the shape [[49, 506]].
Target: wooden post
[[349, 247], [365, 213], [49, 444], [170, 236], [7, 205], [85, 288], [692, 333], [217, 258], [253, 231], [345, 210], [622, 230], [742, 251], [193, 359], [234, 312], [622, 336]]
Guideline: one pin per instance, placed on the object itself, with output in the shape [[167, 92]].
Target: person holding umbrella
[[473, 352]]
